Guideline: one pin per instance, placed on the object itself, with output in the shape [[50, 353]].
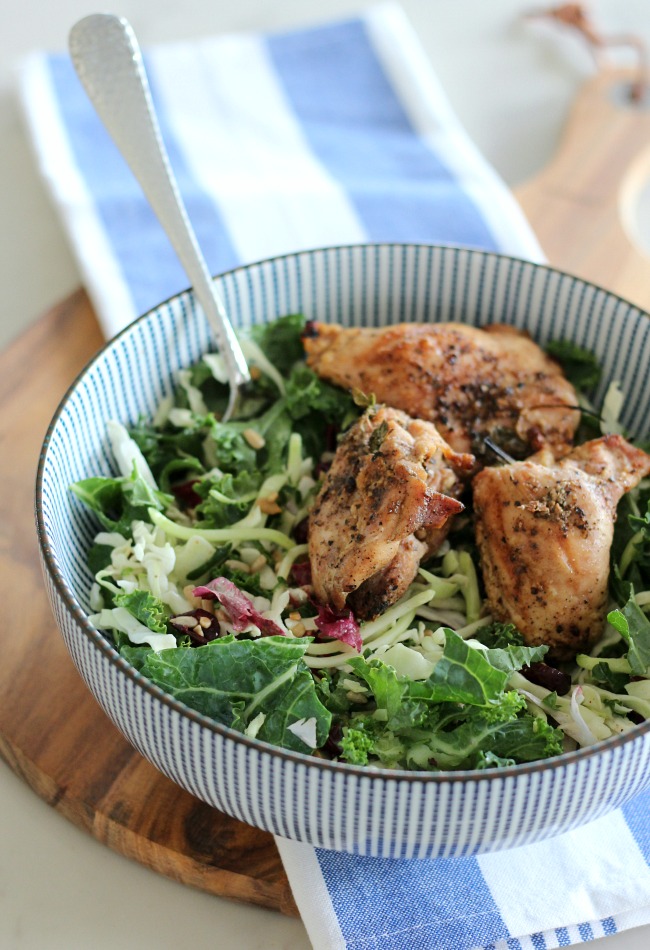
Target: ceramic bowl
[[329, 804]]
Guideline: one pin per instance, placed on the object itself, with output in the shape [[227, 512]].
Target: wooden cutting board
[[52, 732], [583, 204]]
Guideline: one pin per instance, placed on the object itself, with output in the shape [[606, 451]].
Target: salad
[[202, 580]]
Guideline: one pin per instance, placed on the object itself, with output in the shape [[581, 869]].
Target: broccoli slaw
[[202, 579]]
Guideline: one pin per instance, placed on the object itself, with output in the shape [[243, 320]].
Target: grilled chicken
[[544, 531], [470, 382], [385, 502]]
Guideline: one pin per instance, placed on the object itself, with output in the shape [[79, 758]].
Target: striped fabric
[[333, 135], [591, 882]]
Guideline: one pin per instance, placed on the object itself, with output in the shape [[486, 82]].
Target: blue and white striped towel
[[333, 135], [330, 135]]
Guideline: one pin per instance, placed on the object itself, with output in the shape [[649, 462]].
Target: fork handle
[[108, 61]]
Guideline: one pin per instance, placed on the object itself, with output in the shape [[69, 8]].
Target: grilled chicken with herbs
[[385, 503], [470, 382], [544, 530]]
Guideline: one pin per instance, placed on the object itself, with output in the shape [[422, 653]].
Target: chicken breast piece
[[470, 382], [544, 531], [385, 503]]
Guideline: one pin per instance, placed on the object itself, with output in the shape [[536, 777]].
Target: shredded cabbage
[[421, 685]]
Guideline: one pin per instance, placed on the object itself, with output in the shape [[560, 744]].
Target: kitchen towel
[[333, 135], [330, 135]]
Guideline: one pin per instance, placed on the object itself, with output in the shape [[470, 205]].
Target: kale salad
[[202, 581]]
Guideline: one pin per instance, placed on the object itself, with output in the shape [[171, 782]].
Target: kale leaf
[[145, 607], [281, 340], [581, 367], [497, 635], [120, 501], [234, 681], [634, 627], [460, 717]]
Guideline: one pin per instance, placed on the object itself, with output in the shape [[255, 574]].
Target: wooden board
[[583, 204], [52, 732]]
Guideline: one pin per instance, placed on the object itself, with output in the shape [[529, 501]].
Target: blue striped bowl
[[332, 805]]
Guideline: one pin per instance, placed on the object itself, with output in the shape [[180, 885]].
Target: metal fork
[[108, 61]]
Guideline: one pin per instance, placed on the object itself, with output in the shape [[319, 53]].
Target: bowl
[[370, 811]]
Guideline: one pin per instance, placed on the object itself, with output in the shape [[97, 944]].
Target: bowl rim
[[102, 643]]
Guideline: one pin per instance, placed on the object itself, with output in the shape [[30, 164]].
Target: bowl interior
[[364, 285]]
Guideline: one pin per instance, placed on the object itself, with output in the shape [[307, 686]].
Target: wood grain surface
[[583, 204], [52, 732]]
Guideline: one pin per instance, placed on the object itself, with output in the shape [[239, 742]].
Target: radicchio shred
[[239, 608], [340, 624]]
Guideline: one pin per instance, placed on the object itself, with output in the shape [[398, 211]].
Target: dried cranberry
[[321, 468], [548, 676], [333, 745], [301, 573], [331, 437], [195, 624], [310, 330], [184, 492], [301, 531]]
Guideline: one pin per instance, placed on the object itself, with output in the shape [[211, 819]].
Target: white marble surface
[[512, 85]]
